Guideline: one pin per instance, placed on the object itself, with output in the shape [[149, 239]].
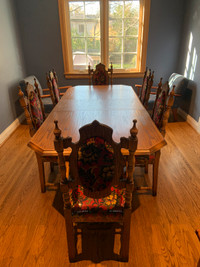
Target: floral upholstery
[[36, 110], [99, 77], [159, 109], [81, 204], [144, 89], [56, 90], [96, 164]]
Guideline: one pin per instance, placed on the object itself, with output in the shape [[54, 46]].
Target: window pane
[[115, 9], [130, 44], [116, 61], [85, 23], [115, 45], [131, 26], [93, 28], [92, 10], [130, 61], [124, 24], [76, 10], [93, 45], [115, 27], [78, 44]]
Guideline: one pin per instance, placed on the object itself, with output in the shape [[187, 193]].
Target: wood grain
[[115, 106], [32, 226]]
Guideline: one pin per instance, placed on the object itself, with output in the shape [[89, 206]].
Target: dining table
[[114, 105]]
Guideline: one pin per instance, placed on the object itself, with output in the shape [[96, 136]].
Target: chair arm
[[45, 90], [177, 95], [153, 93], [138, 86], [45, 96], [65, 87]]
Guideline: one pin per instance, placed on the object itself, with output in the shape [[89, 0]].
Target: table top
[[114, 105]]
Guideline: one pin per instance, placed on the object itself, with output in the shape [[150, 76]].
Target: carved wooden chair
[[100, 76], [33, 107], [144, 90], [55, 90], [43, 92], [97, 188], [160, 116]]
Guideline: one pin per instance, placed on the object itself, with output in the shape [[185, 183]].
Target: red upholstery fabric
[[82, 204], [56, 90], [36, 110], [159, 109], [96, 164]]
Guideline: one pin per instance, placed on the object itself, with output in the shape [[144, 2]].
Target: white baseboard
[[11, 128], [195, 124]]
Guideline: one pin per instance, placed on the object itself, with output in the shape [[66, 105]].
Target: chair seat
[[81, 204]]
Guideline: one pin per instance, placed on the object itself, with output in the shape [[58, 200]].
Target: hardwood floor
[[32, 227]]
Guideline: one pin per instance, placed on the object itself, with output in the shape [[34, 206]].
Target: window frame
[[120, 73]]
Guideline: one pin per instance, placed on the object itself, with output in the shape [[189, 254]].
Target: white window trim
[[142, 43]]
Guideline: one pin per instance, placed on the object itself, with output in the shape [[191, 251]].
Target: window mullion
[[104, 7]]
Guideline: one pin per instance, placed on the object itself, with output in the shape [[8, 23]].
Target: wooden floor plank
[[32, 226]]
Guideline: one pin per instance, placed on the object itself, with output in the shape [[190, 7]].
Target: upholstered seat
[[82, 204]]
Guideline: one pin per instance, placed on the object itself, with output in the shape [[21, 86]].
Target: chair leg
[[41, 172], [175, 113], [52, 166], [70, 235], [146, 166], [124, 253], [155, 173]]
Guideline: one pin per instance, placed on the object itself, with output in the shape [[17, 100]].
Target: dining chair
[[160, 116], [52, 84], [32, 106], [95, 188], [100, 76], [44, 92], [144, 90]]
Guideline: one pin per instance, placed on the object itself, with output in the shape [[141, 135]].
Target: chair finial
[[57, 131], [134, 130]]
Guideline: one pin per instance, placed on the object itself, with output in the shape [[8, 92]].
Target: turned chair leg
[[71, 242]]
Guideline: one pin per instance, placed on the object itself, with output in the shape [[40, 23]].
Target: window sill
[[83, 75]]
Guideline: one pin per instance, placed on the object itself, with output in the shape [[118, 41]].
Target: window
[[105, 31]]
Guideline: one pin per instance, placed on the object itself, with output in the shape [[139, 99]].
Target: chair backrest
[[146, 87], [162, 107], [52, 83], [31, 80], [33, 107], [96, 162], [100, 76]]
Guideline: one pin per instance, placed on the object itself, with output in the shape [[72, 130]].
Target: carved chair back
[[162, 107], [100, 76], [97, 188], [52, 83], [146, 87], [33, 107]]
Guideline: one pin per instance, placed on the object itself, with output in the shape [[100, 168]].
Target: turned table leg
[[41, 172], [155, 172]]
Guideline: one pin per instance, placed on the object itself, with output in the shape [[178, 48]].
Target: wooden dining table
[[114, 105]]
